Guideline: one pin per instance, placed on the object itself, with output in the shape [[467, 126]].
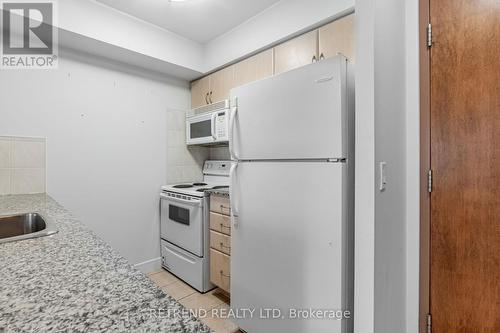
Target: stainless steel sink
[[24, 226]]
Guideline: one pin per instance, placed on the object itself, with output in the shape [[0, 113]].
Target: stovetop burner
[[183, 186], [199, 184], [202, 189], [219, 187]]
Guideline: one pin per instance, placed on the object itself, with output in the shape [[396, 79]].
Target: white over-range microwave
[[208, 125]]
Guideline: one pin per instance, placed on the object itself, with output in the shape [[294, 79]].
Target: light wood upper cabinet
[[212, 88], [220, 84], [325, 42], [254, 68], [338, 37], [297, 52], [199, 92]]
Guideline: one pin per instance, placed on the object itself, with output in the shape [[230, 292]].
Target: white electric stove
[[185, 226]]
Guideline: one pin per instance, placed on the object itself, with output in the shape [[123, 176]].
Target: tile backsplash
[[22, 165], [183, 164], [220, 153]]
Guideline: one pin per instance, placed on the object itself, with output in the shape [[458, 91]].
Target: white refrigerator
[[292, 197]]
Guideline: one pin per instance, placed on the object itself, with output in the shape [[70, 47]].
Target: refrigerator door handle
[[232, 153], [232, 196]]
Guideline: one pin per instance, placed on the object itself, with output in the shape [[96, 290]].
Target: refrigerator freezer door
[[288, 244], [300, 114]]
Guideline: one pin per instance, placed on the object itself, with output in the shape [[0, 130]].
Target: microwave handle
[[234, 111], [213, 129]]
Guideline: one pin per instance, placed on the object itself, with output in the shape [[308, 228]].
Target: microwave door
[[200, 129]]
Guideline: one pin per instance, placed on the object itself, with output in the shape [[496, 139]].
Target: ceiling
[[198, 20]]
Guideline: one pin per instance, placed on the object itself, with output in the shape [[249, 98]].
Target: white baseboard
[[149, 266]]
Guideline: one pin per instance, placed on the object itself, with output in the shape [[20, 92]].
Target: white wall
[[106, 142], [412, 166], [284, 19], [364, 293], [390, 146], [382, 106]]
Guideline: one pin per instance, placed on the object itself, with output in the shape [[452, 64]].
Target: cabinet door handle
[[222, 245], [314, 58], [210, 97], [224, 275], [321, 56], [223, 226], [206, 98]]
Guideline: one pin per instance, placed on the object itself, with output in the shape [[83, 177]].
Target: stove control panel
[[216, 168]]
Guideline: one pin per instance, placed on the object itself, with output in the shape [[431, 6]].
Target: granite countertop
[[74, 282]]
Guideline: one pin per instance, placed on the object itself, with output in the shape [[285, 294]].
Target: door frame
[[425, 165]]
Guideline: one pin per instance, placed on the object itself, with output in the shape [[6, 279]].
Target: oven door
[[182, 221], [201, 129]]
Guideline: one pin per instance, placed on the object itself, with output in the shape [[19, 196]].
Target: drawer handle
[[227, 247], [223, 226], [224, 207], [224, 275]]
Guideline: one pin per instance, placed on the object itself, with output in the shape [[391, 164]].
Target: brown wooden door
[[465, 159]]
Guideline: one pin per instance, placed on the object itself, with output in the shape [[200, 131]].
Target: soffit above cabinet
[[198, 20]]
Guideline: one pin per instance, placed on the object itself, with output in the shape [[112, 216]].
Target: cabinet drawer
[[220, 242], [220, 204], [220, 269], [220, 223]]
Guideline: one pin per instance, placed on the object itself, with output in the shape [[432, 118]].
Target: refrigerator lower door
[[289, 245]]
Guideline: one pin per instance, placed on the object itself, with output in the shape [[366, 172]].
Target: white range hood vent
[[209, 108]]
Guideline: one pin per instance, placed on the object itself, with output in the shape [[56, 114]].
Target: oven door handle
[[189, 202], [179, 255]]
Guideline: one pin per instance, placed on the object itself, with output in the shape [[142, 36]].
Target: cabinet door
[[297, 52], [337, 37], [254, 68], [199, 91], [220, 84]]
